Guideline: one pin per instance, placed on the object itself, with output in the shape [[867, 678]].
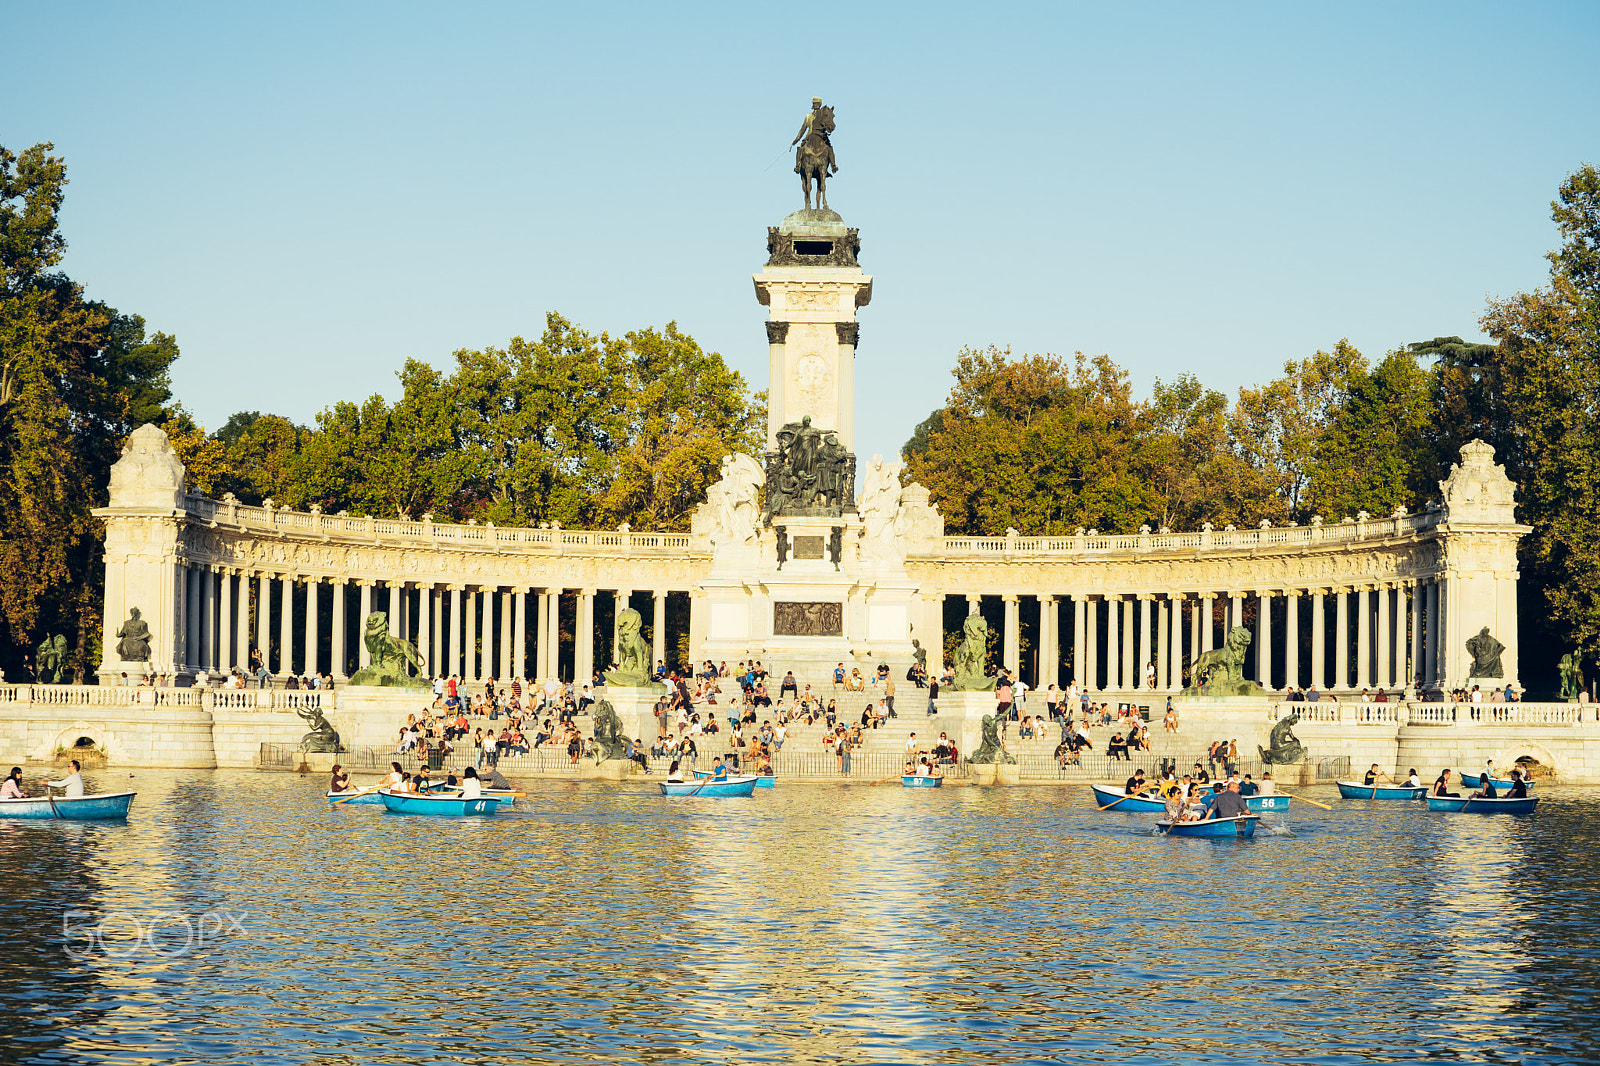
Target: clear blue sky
[[305, 195]]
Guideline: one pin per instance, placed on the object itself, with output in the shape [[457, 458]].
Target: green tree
[[1374, 453], [1186, 454]]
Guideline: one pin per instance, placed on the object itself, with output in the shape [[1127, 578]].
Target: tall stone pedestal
[[969, 708], [373, 716], [635, 707]]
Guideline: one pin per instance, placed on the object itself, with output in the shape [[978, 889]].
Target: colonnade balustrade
[[1340, 638], [307, 625]]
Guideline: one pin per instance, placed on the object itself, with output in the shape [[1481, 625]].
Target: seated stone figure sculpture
[[971, 656], [395, 662]]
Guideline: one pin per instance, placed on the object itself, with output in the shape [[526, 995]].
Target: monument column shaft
[[208, 620], [1113, 644], [309, 634], [1363, 637], [1091, 646], [554, 607], [1264, 639], [286, 628], [519, 662], [1319, 640], [1163, 644], [453, 666], [658, 630], [1143, 608], [505, 635], [394, 610], [1291, 639], [340, 663], [225, 655], [1385, 645], [541, 664], [1432, 655], [363, 656], [1208, 622], [425, 628], [1175, 641], [1011, 636], [1402, 643], [263, 616], [470, 668], [1413, 676], [1341, 641], [1130, 669], [1195, 625]]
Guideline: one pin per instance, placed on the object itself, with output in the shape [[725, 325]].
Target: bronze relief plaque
[[808, 547], [808, 619]]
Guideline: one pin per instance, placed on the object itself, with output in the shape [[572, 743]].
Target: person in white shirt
[[1269, 787], [73, 782], [471, 787], [394, 777], [1414, 781], [911, 744]]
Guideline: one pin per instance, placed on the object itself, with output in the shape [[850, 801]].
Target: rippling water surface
[[812, 923]]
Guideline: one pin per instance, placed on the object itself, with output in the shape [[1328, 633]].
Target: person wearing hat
[[807, 126]]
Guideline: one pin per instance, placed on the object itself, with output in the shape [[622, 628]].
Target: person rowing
[[675, 773], [1519, 786], [719, 771], [340, 780], [471, 787], [73, 782], [1441, 785], [1136, 784], [1373, 775], [1228, 803], [11, 789]]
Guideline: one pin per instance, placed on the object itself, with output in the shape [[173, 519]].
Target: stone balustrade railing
[[1207, 540], [1441, 714], [204, 699], [554, 539]]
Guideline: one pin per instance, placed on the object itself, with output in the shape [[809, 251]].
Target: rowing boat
[[1476, 781], [762, 780], [1242, 826], [913, 781], [1276, 802], [1116, 798], [1469, 805], [1355, 790], [104, 806], [744, 785], [443, 806]]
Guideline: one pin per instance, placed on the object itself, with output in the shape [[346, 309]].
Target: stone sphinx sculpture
[[633, 658], [972, 655], [990, 752], [610, 742], [395, 662], [1220, 672], [322, 736], [1286, 747]]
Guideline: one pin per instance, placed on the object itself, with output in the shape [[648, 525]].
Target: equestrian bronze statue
[[813, 160]]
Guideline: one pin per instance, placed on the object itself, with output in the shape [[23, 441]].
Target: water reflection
[[819, 923]]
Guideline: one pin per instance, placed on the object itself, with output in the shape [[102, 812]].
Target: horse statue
[[972, 654], [610, 742], [1286, 747], [813, 160], [991, 752], [633, 658], [395, 662], [322, 736]]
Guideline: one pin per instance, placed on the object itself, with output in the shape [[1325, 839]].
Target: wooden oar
[[54, 810], [1313, 802], [895, 777], [369, 790]]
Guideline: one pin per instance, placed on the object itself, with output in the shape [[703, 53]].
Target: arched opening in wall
[[86, 750], [1533, 768]]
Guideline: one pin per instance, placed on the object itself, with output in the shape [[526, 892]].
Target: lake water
[[812, 923]]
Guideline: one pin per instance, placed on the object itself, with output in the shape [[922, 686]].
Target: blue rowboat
[[1242, 826], [504, 795], [442, 806], [107, 806], [913, 781], [762, 780], [1468, 805], [359, 797], [1274, 802], [728, 786], [1355, 790], [1118, 800], [1476, 781]]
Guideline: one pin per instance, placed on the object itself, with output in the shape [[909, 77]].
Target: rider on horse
[[810, 127]]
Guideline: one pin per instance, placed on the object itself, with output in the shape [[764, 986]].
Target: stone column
[[1163, 644], [1047, 669], [425, 628], [469, 668], [363, 656], [1080, 644], [241, 638], [1364, 637], [1132, 672], [1341, 640], [286, 628], [658, 630], [208, 618], [225, 656], [1142, 606], [1091, 646], [555, 634], [519, 655], [1113, 645], [1175, 641], [506, 630], [1208, 622], [1319, 638], [1291, 642], [1235, 612], [1385, 648], [1402, 672], [1431, 653], [1264, 638], [1195, 625], [541, 638], [1010, 638], [1416, 668], [263, 615], [395, 588], [336, 646], [697, 625], [313, 590], [191, 618], [452, 662], [583, 663]]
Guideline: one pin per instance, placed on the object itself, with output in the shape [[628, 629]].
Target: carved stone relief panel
[[791, 619]]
